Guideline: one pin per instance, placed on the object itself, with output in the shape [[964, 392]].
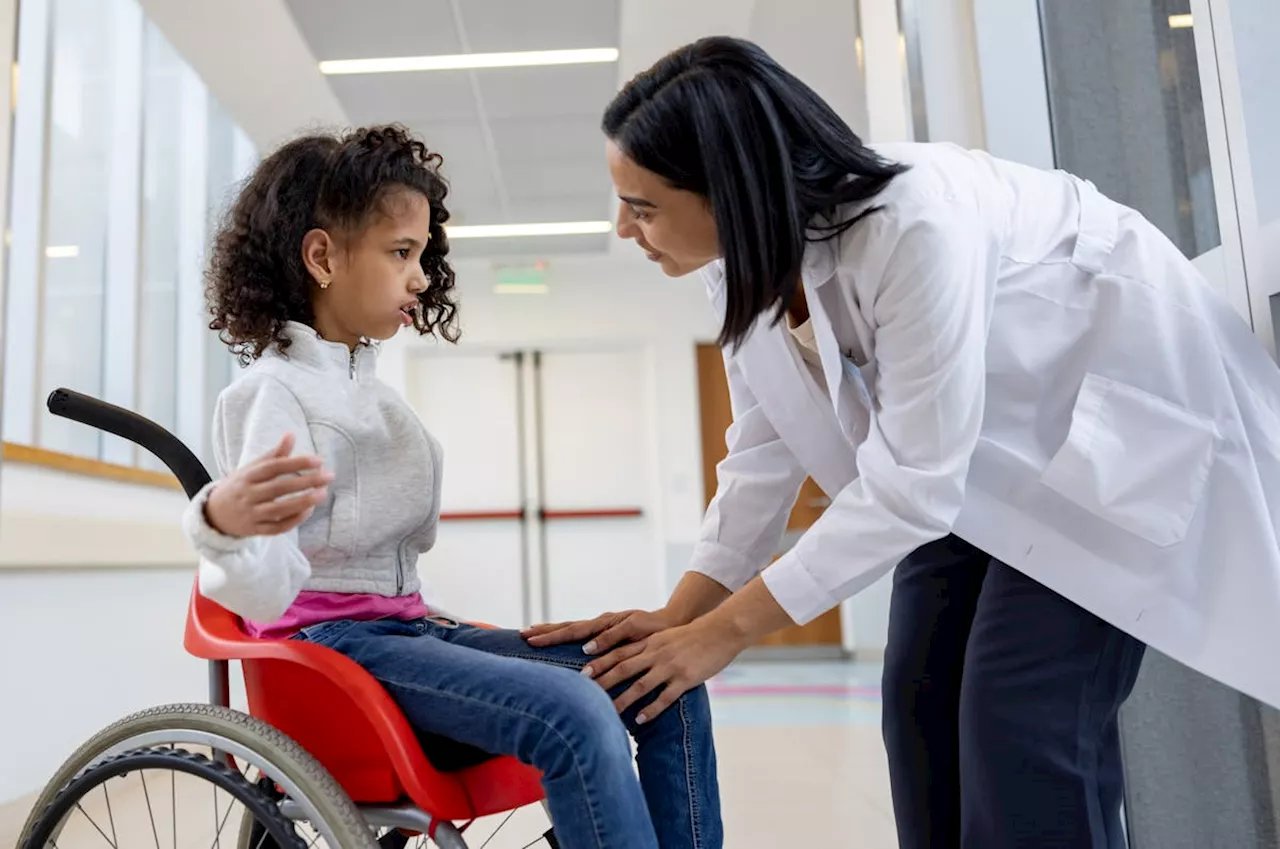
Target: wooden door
[[717, 415]]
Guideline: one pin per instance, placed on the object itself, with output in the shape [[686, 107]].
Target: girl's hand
[[272, 495]]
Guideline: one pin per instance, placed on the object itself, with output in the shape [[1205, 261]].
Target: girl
[[1021, 399], [334, 245]]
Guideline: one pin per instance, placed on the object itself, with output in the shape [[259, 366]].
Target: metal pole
[[526, 580], [540, 455]]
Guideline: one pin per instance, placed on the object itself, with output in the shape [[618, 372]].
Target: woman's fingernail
[[589, 648], [586, 671], [641, 719]]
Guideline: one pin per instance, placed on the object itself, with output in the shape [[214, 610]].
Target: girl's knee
[[579, 703]]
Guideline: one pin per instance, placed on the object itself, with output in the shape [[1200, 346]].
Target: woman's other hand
[[271, 495], [603, 633], [670, 663]]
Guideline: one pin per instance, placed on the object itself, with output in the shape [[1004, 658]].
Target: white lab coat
[[1012, 357]]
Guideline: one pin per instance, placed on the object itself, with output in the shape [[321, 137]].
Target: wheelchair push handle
[[142, 432]]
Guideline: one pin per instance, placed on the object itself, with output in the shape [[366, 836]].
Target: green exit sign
[[521, 279]]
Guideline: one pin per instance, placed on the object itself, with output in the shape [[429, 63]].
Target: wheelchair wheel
[[149, 758]]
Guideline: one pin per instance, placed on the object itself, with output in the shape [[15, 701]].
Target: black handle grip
[[142, 432]]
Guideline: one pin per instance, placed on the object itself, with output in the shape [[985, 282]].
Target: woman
[[1016, 391]]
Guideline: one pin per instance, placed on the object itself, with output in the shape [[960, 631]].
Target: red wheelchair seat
[[340, 714]]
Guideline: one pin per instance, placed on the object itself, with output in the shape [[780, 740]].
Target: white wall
[[594, 299], [94, 580], [255, 62]]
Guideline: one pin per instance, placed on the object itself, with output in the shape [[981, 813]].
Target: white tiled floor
[[801, 763]]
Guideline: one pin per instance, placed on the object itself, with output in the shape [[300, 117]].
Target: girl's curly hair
[[256, 280]]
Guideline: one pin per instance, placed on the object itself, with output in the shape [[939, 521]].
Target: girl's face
[[374, 276], [673, 227]]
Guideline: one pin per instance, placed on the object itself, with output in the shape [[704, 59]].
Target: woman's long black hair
[[721, 118]]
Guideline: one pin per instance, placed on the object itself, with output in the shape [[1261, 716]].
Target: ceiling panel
[[528, 248], [546, 161], [567, 207], [554, 179], [502, 25], [548, 92], [377, 98], [340, 29], [532, 140]]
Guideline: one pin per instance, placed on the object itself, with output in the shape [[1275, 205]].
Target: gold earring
[[324, 284]]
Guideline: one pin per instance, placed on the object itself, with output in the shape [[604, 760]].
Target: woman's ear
[[319, 253]]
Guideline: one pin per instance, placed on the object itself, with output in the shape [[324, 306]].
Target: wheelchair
[[323, 758]]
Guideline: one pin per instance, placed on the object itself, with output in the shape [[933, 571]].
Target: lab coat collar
[[773, 368], [817, 267], [820, 259]]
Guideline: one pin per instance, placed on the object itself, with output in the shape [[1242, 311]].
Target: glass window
[[122, 166], [80, 142], [1127, 112], [161, 189]]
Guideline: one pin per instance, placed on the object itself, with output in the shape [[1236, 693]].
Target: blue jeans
[[491, 690]]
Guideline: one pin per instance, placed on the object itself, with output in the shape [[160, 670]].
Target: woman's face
[[673, 227]]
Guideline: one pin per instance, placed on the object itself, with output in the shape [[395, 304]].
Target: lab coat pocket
[[1134, 459]]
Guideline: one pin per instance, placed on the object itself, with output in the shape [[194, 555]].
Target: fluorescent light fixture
[[467, 61], [507, 231], [1180, 22], [62, 251], [521, 289]]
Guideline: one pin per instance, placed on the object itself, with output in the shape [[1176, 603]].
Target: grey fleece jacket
[[384, 502]]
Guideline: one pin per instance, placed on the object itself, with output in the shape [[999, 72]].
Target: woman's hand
[[272, 495], [673, 661], [608, 629], [678, 659]]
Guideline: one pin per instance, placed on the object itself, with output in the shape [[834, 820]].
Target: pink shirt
[[312, 608]]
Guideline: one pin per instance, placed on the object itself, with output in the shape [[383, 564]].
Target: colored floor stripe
[[794, 690]]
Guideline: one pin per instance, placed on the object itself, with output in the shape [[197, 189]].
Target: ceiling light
[[62, 251], [465, 61], [1180, 22], [506, 231]]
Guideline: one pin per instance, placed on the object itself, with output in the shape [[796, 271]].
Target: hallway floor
[[801, 762]]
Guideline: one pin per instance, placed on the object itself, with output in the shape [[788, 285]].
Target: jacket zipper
[[351, 364]]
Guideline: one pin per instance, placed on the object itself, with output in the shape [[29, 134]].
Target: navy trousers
[[1000, 709]]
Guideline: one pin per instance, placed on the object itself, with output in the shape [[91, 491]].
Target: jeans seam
[[690, 778], [545, 661], [577, 765]]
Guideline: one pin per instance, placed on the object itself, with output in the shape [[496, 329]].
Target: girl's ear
[[319, 253]]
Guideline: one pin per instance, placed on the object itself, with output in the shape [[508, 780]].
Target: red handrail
[[480, 515], [613, 513]]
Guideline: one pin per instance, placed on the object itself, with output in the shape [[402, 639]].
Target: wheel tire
[[319, 788], [260, 806]]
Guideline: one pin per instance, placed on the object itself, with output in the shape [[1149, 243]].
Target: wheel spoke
[[499, 828], [111, 817], [95, 825], [150, 813], [217, 838]]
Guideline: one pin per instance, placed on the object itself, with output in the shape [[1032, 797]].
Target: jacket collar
[[308, 349], [817, 267]]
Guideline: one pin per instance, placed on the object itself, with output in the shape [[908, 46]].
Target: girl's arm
[[245, 525]]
